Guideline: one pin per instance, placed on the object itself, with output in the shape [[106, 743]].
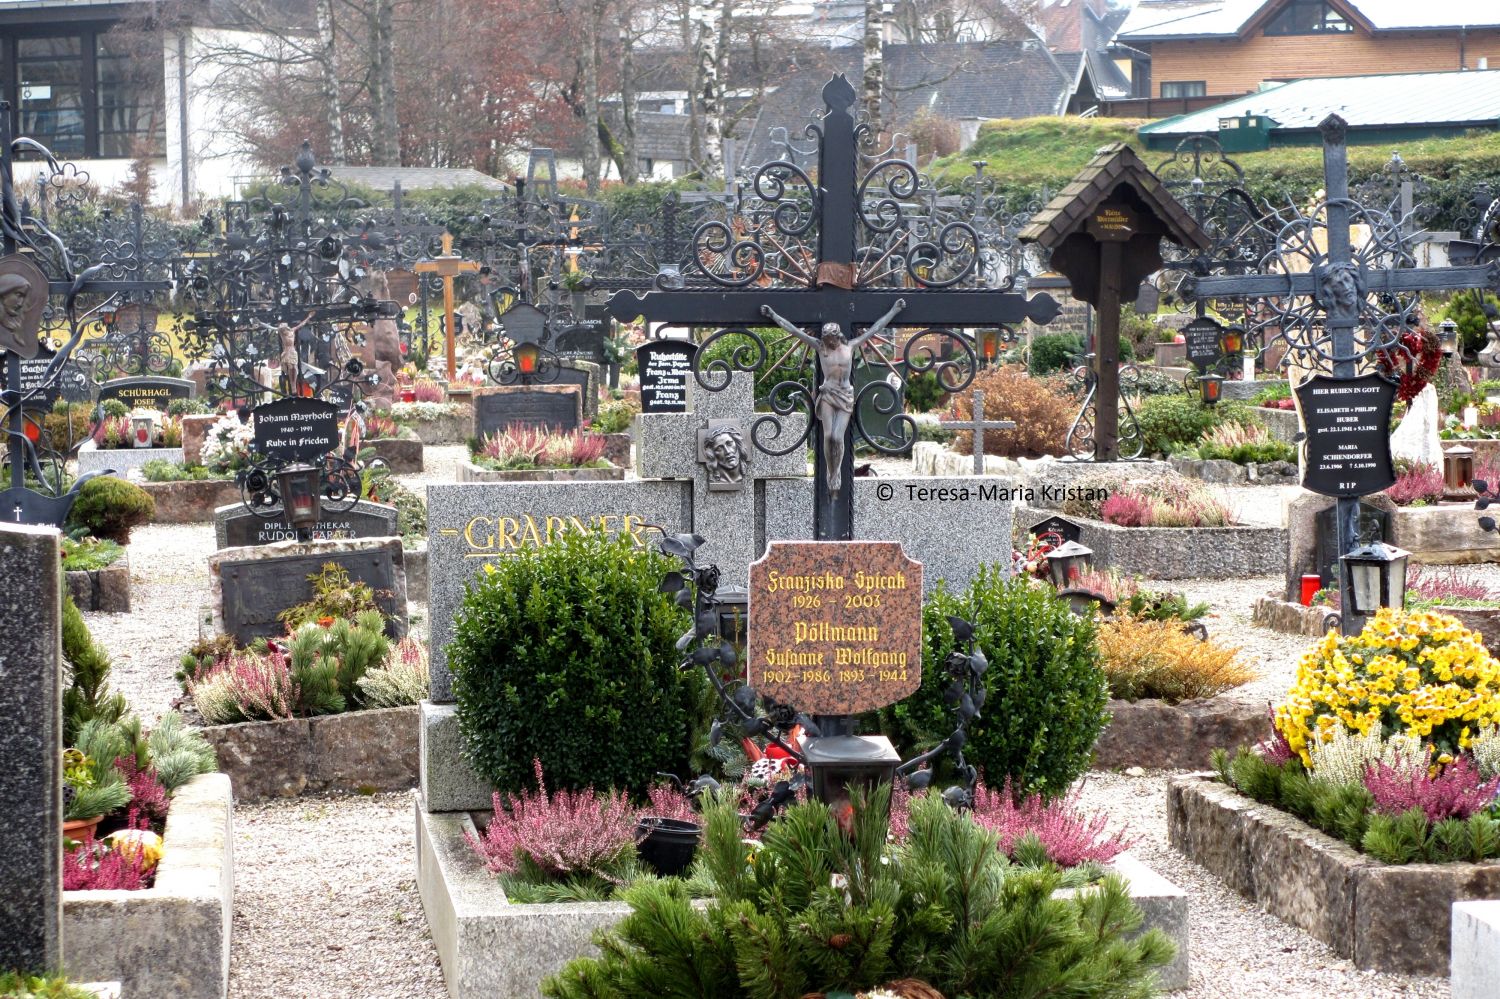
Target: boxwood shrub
[[1046, 693], [565, 653]]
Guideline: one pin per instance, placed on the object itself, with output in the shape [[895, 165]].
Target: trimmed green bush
[[1053, 352], [566, 654], [109, 508], [1170, 423], [1045, 698]]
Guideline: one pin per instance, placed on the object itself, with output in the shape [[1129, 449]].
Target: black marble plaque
[[584, 341], [1065, 529], [1373, 522], [1348, 434], [555, 411], [256, 591], [247, 528], [32, 370], [146, 392], [296, 429], [666, 367], [1204, 348]]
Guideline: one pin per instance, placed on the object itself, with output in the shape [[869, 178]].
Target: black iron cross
[[833, 294], [1338, 286], [20, 504]]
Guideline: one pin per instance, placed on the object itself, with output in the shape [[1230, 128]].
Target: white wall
[[207, 81]]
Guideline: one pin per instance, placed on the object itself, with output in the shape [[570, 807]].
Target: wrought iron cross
[[866, 259], [1337, 290], [979, 425], [448, 266]]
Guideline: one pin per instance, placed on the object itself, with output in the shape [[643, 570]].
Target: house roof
[[417, 178], [1078, 25], [1169, 20], [1470, 98], [1112, 166]]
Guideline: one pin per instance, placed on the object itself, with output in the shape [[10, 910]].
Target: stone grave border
[[171, 939], [1384, 917], [1177, 552], [491, 947], [190, 502], [1156, 735], [1443, 535], [449, 428], [1291, 618], [122, 459], [404, 456], [357, 751], [106, 589], [470, 472], [1476, 949], [1221, 471]]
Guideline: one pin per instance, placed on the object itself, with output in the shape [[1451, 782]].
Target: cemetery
[[845, 572]]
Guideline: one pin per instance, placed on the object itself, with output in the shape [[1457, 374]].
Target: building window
[[1307, 17], [1185, 88], [90, 94]]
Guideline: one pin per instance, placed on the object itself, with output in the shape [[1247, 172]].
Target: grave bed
[[403, 456], [1447, 534], [1223, 472], [91, 458], [1383, 917], [450, 428], [1284, 424], [1178, 552], [1154, 734], [1291, 618], [171, 939], [470, 472], [106, 589], [363, 751], [491, 947], [190, 502]]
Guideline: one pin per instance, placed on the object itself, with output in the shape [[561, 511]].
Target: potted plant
[[91, 790], [667, 845]]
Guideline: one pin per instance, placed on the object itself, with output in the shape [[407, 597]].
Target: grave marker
[[32, 370], [254, 585], [665, 368], [148, 391], [1204, 344], [1348, 434], [237, 527], [978, 425], [555, 408], [31, 807], [296, 429], [1063, 528], [584, 341], [835, 626], [1373, 522]]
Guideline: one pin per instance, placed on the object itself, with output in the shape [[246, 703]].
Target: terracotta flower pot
[[81, 829]]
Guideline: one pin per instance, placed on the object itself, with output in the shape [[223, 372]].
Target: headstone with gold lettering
[[835, 626]]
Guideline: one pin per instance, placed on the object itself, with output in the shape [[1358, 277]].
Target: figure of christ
[[833, 402], [291, 360]]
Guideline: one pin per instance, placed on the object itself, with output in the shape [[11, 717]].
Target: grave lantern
[[301, 504], [1458, 473], [989, 345], [1232, 342], [528, 358], [142, 428], [1067, 563], [1377, 577], [841, 762], [1210, 388], [1448, 336]]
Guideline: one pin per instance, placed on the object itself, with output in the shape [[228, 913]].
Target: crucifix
[[979, 425], [1343, 286], [448, 266], [20, 504], [850, 289]]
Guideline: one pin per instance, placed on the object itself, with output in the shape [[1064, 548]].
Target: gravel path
[[326, 903]]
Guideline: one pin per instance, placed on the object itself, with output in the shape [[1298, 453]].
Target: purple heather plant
[[1455, 792], [1449, 582]]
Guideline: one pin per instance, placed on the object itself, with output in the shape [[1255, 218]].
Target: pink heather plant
[[1450, 582], [665, 801], [247, 685], [1164, 503], [1069, 836], [1419, 482], [428, 390], [1275, 750], [566, 833], [531, 447], [1457, 792], [147, 795], [95, 867], [1127, 509]]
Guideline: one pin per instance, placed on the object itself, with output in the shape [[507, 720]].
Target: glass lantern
[[1376, 573], [1210, 388], [528, 358], [1448, 336], [1067, 563], [1458, 473], [301, 502], [142, 428]]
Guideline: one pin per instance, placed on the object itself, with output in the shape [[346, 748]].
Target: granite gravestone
[[673, 446], [469, 524], [236, 527], [835, 626], [296, 430], [148, 391], [584, 341], [555, 408], [666, 368], [1348, 447], [31, 807], [585, 376], [256, 584]]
